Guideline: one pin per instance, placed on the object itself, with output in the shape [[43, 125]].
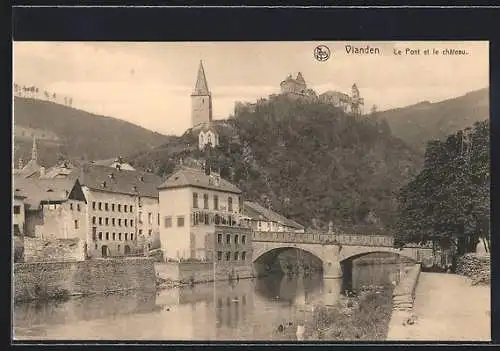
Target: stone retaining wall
[[46, 280], [45, 250], [199, 272], [403, 295], [475, 266]]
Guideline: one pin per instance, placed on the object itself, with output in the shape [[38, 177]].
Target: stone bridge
[[331, 249]]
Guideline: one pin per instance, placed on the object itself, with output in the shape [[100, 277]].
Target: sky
[[149, 83]]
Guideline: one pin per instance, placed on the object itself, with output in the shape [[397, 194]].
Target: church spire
[[34, 153], [201, 87]]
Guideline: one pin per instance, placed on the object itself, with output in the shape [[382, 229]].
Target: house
[[201, 218], [122, 212], [18, 213], [265, 220], [54, 208]]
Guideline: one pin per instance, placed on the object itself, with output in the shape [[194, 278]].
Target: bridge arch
[[268, 257], [353, 252]]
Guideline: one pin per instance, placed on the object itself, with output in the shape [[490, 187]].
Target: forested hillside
[[309, 161], [81, 134], [425, 121]]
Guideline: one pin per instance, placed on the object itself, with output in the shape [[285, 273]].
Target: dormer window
[[118, 166], [141, 178]]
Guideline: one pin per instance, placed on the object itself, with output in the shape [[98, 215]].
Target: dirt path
[[448, 308]]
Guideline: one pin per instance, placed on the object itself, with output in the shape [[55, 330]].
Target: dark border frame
[[297, 24]]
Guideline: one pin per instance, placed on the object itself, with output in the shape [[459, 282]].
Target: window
[[76, 223], [180, 221], [150, 232], [119, 207], [216, 202], [107, 235], [94, 234], [158, 219], [131, 208], [205, 201], [150, 218], [93, 205], [120, 236], [230, 204], [140, 217], [168, 222], [131, 222], [131, 236], [236, 254], [236, 239], [243, 256], [17, 231], [228, 239], [71, 206], [243, 239], [125, 222], [96, 246], [78, 207], [100, 235], [119, 222], [106, 206], [112, 207], [114, 236], [17, 209], [126, 236], [195, 200], [100, 206], [118, 247], [100, 220], [219, 255], [206, 219], [113, 221], [219, 238], [228, 256], [106, 220]]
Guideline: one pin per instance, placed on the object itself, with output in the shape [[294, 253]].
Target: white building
[[192, 204]]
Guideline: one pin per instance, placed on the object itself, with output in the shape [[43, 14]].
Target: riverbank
[[362, 317], [447, 307]]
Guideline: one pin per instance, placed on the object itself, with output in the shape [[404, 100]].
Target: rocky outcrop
[[475, 266]]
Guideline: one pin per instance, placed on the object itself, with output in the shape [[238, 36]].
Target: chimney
[[42, 171], [103, 184]]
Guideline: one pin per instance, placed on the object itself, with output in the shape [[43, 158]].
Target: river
[[250, 309]]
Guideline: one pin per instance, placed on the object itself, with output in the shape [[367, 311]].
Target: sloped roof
[[201, 87], [109, 162], [187, 176], [256, 211], [43, 190], [120, 181]]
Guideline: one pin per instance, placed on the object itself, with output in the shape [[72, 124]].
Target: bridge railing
[[343, 239]]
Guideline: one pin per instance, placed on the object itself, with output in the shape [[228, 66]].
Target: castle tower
[[357, 101], [34, 153], [201, 100], [301, 82]]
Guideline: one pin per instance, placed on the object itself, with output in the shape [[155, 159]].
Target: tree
[[448, 201]]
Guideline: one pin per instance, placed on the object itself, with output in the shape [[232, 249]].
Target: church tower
[[201, 100]]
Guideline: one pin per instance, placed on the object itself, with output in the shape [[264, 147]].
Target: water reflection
[[247, 310]]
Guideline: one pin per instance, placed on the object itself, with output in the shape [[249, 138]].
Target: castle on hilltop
[[296, 88]]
